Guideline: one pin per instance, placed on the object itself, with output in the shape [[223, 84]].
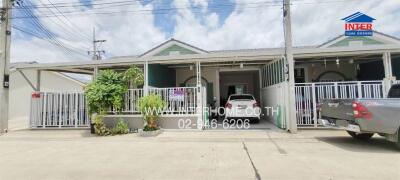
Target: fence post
[[199, 108], [314, 104], [60, 110], [386, 84], [32, 110], [336, 90], [76, 109], [359, 89], [45, 110]]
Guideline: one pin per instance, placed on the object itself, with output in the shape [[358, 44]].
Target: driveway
[[235, 154]]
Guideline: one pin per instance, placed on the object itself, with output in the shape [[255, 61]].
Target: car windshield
[[241, 97]]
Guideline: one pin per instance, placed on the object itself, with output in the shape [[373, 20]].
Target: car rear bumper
[[349, 127]]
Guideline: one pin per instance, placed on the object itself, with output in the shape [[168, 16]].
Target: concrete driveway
[[253, 154]]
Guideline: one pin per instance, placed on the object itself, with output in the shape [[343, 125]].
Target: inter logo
[[358, 24]]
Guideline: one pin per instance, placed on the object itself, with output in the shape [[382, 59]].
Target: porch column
[[146, 78], [387, 65], [199, 93], [38, 79], [198, 74]]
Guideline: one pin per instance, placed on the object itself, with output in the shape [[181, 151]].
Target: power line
[[143, 11], [123, 3], [219, 8], [60, 23], [73, 26], [40, 29], [52, 42]]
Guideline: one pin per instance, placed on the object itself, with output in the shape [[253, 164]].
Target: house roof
[[386, 36], [178, 42], [358, 17], [169, 43], [258, 54]]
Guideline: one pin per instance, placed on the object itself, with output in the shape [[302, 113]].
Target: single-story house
[[340, 68]]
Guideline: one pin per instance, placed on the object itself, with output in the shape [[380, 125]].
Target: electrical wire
[[218, 8]]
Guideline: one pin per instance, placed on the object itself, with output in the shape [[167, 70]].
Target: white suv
[[242, 106]]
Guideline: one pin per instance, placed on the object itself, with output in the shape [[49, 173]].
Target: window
[[241, 97], [174, 53], [355, 43]]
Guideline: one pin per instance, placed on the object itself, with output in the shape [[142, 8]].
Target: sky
[[131, 27]]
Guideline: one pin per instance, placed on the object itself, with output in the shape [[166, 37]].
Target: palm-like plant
[[151, 107]]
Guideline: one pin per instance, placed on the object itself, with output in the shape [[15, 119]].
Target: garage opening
[[239, 82]]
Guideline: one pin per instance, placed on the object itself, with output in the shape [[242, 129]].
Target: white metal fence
[[131, 100], [68, 109], [58, 110], [178, 99], [308, 95]]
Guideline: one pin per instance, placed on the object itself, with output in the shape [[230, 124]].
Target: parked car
[[242, 106], [362, 118]]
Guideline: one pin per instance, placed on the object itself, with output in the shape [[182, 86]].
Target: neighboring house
[[346, 62], [21, 91]]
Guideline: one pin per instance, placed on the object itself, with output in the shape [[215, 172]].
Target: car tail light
[[360, 111], [256, 104], [228, 105], [35, 95]]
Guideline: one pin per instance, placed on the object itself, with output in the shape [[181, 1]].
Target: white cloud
[[126, 34], [250, 25], [316, 23], [246, 27]]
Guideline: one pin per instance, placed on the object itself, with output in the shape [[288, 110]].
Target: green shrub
[[120, 128], [151, 107], [99, 126], [106, 91], [134, 76]]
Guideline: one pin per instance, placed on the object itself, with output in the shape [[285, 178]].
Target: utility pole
[[290, 67], [5, 38], [96, 53]]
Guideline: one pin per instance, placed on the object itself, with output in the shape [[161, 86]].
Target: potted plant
[[151, 107]]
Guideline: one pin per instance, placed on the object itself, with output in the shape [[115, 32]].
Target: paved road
[[253, 154]]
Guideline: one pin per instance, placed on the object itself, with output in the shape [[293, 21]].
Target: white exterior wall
[[274, 107], [312, 72], [20, 92]]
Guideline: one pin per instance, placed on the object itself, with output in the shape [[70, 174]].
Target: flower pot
[[92, 130], [150, 133]]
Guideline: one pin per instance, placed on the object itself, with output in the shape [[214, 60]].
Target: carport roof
[[266, 54]]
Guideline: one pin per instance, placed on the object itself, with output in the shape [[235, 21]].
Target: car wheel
[[360, 136]]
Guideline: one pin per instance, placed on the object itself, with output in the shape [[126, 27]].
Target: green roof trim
[[365, 40], [174, 48]]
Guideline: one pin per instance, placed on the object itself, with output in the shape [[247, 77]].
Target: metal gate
[[59, 110], [308, 95]]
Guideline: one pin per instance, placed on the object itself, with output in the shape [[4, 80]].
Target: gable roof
[[358, 17], [376, 35], [170, 43]]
